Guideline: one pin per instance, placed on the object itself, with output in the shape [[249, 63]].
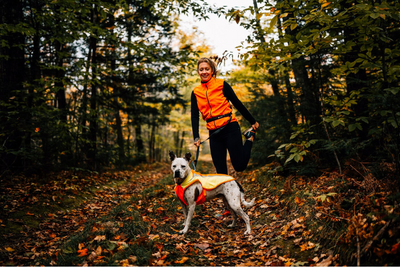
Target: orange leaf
[[299, 201], [183, 260], [395, 248], [9, 249], [83, 252]]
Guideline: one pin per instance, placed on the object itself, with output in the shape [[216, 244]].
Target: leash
[[194, 163]]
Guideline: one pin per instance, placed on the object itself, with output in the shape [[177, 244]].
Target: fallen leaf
[[307, 246], [100, 238], [202, 246], [9, 249], [183, 260], [81, 246], [326, 262], [98, 251], [83, 252], [124, 262]]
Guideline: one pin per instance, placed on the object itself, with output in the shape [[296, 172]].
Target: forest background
[[97, 85], [106, 83]]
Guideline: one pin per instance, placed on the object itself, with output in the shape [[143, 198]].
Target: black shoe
[[249, 133]]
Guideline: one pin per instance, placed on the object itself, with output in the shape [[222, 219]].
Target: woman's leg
[[218, 154], [239, 153]]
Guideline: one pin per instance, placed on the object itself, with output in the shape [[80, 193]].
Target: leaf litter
[[310, 222]]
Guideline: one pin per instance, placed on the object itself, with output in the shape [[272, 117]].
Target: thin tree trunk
[[93, 126]]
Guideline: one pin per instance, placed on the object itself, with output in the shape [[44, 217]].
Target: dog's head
[[180, 167]]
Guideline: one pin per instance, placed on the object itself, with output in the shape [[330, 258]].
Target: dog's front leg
[[185, 212], [189, 217]]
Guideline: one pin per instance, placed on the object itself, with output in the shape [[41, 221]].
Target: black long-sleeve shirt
[[230, 96]]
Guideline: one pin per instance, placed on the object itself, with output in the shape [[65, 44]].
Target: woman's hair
[[210, 62]]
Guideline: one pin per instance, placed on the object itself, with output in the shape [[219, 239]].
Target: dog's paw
[[183, 231], [232, 225], [247, 232]]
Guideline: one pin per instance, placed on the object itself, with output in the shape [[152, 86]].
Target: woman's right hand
[[197, 142]]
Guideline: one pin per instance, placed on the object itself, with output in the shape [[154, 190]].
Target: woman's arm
[[195, 114], [231, 96]]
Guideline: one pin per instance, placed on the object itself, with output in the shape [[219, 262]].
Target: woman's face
[[205, 72]]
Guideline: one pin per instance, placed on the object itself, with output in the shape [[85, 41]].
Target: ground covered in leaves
[[133, 218]]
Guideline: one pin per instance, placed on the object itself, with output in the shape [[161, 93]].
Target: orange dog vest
[[207, 181]]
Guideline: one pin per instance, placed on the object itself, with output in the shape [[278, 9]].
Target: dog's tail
[[245, 203]]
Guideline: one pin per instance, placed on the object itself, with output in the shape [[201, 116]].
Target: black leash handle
[[194, 163]]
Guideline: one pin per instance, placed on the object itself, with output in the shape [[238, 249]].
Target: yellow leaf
[[124, 262], [9, 249], [98, 251]]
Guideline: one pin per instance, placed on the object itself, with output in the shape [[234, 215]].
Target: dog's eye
[[183, 166], [173, 166]]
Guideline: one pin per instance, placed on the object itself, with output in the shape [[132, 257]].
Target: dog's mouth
[[178, 180]]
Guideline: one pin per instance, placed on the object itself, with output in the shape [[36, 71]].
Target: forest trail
[[133, 218]]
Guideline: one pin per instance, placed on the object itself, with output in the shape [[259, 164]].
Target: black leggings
[[230, 138]]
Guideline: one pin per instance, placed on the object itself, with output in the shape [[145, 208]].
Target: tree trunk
[[12, 71], [140, 155], [93, 127], [181, 144]]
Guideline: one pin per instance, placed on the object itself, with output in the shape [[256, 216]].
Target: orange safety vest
[[208, 182], [212, 103]]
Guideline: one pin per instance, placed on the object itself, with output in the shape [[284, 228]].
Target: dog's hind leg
[[235, 206], [233, 224]]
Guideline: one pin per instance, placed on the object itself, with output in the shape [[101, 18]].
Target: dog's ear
[[188, 156], [172, 156]]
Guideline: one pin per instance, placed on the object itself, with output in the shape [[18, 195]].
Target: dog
[[231, 192]]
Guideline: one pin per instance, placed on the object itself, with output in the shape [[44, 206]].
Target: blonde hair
[[210, 62]]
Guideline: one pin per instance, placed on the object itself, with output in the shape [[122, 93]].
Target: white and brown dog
[[194, 188]]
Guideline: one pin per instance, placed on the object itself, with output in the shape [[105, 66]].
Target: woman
[[211, 98]]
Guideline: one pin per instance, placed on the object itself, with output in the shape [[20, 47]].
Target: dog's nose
[[177, 174]]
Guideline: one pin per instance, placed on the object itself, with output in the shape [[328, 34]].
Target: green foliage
[[335, 66], [89, 84]]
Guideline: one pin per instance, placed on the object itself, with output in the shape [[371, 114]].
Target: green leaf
[[274, 20], [354, 126], [393, 90], [337, 122], [290, 158], [68, 250]]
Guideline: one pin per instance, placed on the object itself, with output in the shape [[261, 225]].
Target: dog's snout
[[177, 174]]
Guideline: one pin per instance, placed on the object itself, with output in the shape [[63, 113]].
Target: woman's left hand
[[255, 126]]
